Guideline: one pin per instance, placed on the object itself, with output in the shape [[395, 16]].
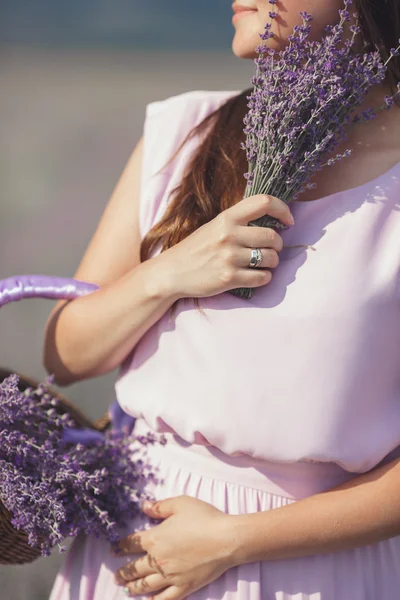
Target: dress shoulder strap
[[167, 123]]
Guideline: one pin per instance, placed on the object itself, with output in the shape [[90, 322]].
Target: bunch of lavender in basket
[[302, 104], [58, 480]]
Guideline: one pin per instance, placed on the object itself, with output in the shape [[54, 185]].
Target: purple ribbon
[[120, 422], [81, 436], [19, 287]]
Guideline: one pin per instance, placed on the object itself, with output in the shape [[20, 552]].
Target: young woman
[[280, 478]]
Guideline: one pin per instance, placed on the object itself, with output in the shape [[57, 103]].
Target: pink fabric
[[273, 399], [308, 369]]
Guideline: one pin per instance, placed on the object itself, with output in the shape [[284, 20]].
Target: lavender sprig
[[303, 103], [54, 485]]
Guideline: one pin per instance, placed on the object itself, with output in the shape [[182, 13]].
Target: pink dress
[[267, 401]]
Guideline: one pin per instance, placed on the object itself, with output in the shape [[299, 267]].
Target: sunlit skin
[[251, 24], [194, 542]]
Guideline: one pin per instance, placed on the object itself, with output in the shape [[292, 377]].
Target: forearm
[[92, 335], [364, 510]]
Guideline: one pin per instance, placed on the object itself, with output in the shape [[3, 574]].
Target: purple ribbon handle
[[84, 436], [120, 422], [19, 287]]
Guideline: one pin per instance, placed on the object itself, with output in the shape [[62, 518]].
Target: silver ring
[[256, 258]]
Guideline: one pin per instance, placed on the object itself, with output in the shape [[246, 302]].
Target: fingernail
[[147, 504], [118, 580], [126, 591], [291, 219]]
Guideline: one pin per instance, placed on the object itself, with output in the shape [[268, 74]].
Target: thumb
[[161, 509]]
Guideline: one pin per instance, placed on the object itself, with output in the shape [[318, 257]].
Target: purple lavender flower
[[302, 105], [58, 480]]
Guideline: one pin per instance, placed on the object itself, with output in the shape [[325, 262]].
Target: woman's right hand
[[215, 258]]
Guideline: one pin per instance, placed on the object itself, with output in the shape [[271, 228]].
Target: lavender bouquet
[[303, 102], [58, 480]]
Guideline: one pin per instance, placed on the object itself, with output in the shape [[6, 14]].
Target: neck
[[384, 129]]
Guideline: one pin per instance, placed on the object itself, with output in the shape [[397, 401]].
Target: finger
[[252, 278], [257, 206], [259, 237], [270, 258], [134, 570], [132, 544], [171, 593], [161, 509], [146, 585]]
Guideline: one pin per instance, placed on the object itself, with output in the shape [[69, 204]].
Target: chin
[[243, 48]]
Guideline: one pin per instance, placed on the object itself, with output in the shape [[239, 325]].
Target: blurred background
[[75, 78]]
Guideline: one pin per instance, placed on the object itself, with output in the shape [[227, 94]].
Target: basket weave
[[14, 547]]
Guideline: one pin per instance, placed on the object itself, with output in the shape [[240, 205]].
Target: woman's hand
[[191, 548], [215, 258]]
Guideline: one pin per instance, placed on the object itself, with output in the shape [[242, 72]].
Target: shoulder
[[169, 121], [172, 118], [195, 102]]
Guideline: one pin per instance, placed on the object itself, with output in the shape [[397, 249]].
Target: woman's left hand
[[192, 547]]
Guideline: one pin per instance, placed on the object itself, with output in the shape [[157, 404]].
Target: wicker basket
[[14, 547]]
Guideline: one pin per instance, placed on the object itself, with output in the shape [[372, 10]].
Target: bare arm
[[92, 335], [362, 511]]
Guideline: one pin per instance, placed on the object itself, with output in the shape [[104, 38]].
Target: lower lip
[[242, 13]]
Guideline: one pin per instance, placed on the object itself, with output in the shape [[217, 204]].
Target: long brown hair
[[213, 179]]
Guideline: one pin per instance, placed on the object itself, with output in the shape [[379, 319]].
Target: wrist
[[161, 283], [242, 540], [236, 540]]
